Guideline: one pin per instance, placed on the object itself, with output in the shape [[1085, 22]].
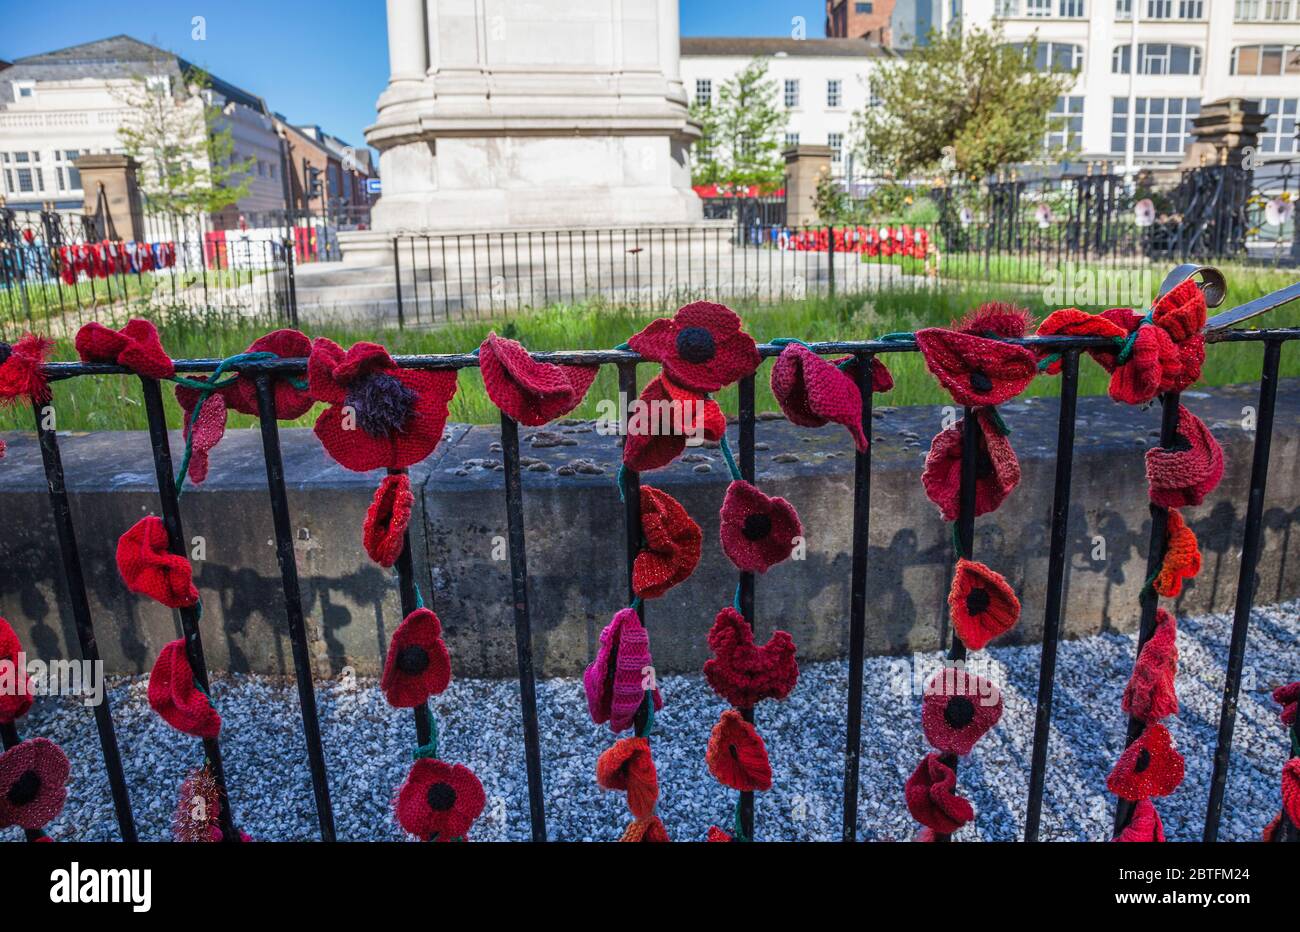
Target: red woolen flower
[[1190, 469], [813, 392], [646, 830], [380, 416], [982, 604], [1181, 314], [1150, 694], [931, 793], [976, 370], [21, 375], [1153, 365], [384, 532], [1150, 766], [136, 346], [33, 783], [439, 801], [881, 378], [418, 664], [758, 531], [996, 319], [670, 416], [672, 544], [1291, 790], [149, 568], [1288, 697], [1072, 322], [175, 695], [292, 400], [628, 766], [701, 347], [202, 428], [615, 682], [737, 756], [1145, 825], [958, 709], [17, 703], [743, 673], [717, 835], [1271, 830], [531, 392], [997, 471], [1182, 557]]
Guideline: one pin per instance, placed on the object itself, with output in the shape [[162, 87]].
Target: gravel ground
[[367, 743]]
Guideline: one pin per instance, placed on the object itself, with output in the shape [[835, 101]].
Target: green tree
[[740, 143], [969, 90]]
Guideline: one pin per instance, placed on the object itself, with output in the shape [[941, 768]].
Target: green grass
[[111, 403]]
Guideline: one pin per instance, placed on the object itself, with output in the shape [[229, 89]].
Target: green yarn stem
[[735, 602], [636, 605], [419, 599], [1000, 424], [731, 460], [956, 541], [1046, 362], [623, 346], [786, 341], [900, 336], [205, 390], [1126, 346], [649, 703], [429, 750], [735, 823], [621, 479]]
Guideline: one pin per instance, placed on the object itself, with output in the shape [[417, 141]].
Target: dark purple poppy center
[[959, 712], [980, 382], [977, 600], [413, 660], [5, 352], [441, 797], [24, 789], [1143, 761], [695, 344], [381, 403], [757, 526]]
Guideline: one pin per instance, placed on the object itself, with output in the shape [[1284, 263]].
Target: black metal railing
[[265, 371]]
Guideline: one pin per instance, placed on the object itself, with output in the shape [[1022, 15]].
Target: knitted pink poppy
[[744, 673], [958, 709], [616, 680], [175, 695], [1150, 695], [33, 783], [758, 531], [931, 794], [997, 471], [813, 391], [701, 347], [672, 414], [136, 346], [1190, 469], [976, 370], [1145, 825], [531, 392]]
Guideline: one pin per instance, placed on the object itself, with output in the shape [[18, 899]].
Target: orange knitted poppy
[[628, 766], [1182, 557], [647, 830], [981, 603], [737, 756]]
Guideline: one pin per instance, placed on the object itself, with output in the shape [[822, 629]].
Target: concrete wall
[[575, 543]]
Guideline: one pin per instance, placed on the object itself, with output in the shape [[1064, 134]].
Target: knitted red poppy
[[136, 346], [292, 400], [1150, 766], [1181, 314], [615, 682], [758, 531], [1271, 830], [21, 376], [976, 370], [813, 392], [531, 392], [646, 830], [997, 470], [380, 416], [1145, 825], [628, 766], [672, 415], [1288, 697], [418, 664], [1072, 322], [439, 801], [33, 783], [958, 709], [672, 544], [1291, 790], [175, 695], [701, 347], [149, 568], [1150, 694], [931, 793], [882, 380], [1190, 469], [742, 672], [15, 702], [384, 531], [1182, 557], [203, 429], [737, 756], [996, 319], [982, 604], [717, 835], [1153, 365]]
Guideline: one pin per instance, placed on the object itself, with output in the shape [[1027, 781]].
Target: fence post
[[293, 286], [830, 259], [397, 281]]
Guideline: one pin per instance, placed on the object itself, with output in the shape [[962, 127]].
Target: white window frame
[[834, 93], [836, 142], [790, 93], [704, 92]]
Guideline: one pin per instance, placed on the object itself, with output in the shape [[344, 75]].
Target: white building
[[821, 83]]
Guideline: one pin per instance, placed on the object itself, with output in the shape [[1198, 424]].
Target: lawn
[[114, 402]]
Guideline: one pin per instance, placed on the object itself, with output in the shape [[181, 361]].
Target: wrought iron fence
[[264, 373]]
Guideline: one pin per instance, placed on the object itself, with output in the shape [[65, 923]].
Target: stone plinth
[[1223, 131], [805, 167], [112, 195]]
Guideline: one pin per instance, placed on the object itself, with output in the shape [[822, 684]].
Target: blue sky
[[321, 62]]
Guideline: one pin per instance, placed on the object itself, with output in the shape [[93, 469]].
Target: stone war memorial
[[528, 518]]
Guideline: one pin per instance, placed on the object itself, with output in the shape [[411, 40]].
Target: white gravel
[[367, 745]]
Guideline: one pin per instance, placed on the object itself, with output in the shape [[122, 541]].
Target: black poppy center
[[757, 526], [980, 382], [731, 749], [959, 712], [413, 660], [977, 601], [695, 344], [5, 352], [1143, 761], [441, 797], [24, 789], [381, 403]]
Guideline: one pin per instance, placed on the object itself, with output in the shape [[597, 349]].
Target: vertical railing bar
[[523, 624], [410, 602], [1055, 588], [746, 462], [858, 602], [285, 556], [171, 516], [1246, 580], [76, 582], [631, 483]]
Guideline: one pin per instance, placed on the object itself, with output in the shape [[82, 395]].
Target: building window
[[24, 90], [791, 92], [1266, 11], [833, 88], [1067, 125], [862, 8], [704, 92], [1158, 58], [1265, 60], [1160, 9], [1123, 9], [160, 84], [1055, 56], [1070, 8], [1278, 135], [1038, 7], [791, 140], [69, 179], [836, 142], [1191, 9], [1006, 8], [1160, 127]]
